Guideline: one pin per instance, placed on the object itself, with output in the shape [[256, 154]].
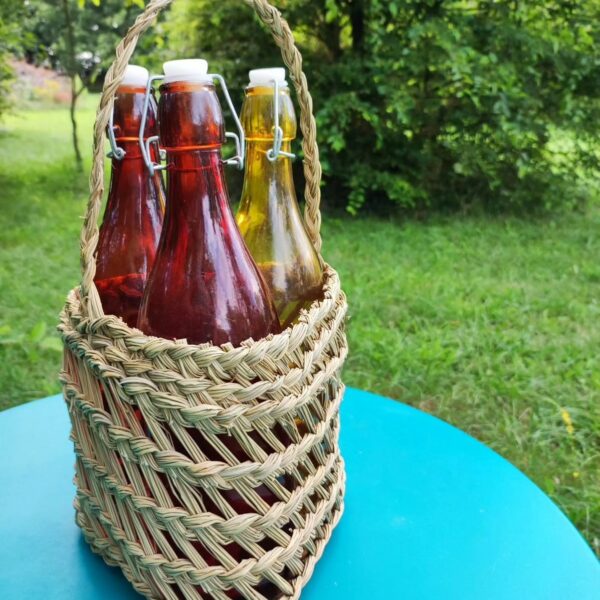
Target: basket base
[[113, 557]]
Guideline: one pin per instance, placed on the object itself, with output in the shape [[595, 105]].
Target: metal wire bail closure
[[239, 138], [146, 143], [116, 152], [276, 152]]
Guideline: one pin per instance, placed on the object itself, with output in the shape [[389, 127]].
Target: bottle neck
[[190, 116], [127, 120], [130, 173], [131, 185], [132, 150], [197, 193], [268, 181], [128, 113]]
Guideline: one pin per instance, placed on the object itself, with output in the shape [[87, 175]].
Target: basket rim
[[114, 327]]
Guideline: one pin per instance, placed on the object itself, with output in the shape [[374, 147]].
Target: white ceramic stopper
[[135, 76], [189, 69], [265, 77]]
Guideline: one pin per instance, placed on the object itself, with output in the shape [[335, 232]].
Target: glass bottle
[[204, 287], [133, 216], [269, 217]]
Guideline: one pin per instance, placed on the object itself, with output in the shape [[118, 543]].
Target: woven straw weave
[[166, 434]]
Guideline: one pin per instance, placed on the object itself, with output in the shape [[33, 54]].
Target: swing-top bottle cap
[[188, 69], [266, 77], [135, 76]]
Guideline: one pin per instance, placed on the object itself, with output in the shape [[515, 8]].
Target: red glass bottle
[[133, 217], [205, 286]]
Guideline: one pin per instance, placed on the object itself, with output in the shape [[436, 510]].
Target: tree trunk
[[72, 68], [357, 19], [72, 111]]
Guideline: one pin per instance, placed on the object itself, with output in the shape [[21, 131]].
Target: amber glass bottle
[[204, 287], [269, 217], [134, 211]]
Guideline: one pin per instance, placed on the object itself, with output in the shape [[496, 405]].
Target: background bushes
[[432, 104], [422, 104]]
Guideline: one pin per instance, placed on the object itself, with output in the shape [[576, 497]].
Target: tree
[[78, 39], [430, 103], [71, 67]]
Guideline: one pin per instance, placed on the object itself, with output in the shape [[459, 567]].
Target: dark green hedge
[[422, 104], [432, 104]]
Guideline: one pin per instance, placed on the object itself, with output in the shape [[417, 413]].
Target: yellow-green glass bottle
[[269, 217]]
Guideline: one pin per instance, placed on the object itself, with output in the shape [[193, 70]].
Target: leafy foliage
[[77, 38], [9, 42], [98, 26], [421, 104], [430, 104]]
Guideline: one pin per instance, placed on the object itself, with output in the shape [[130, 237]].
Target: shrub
[[431, 104]]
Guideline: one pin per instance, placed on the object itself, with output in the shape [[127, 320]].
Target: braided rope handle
[[270, 16]]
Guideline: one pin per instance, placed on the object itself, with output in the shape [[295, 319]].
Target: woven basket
[[144, 503]]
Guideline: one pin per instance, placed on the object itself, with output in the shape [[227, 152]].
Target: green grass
[[41, 203], [491, 324]]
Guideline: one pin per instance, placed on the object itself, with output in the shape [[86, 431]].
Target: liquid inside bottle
[[133, 218], [204, 287], [269, 217]]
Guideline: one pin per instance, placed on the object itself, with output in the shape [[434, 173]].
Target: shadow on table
[[114, 584]]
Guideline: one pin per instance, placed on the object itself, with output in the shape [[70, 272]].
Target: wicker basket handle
[[292, 58]]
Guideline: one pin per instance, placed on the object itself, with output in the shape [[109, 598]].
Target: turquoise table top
[[430, 514]]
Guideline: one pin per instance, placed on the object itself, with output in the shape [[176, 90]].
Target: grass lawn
[[492, 325]]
